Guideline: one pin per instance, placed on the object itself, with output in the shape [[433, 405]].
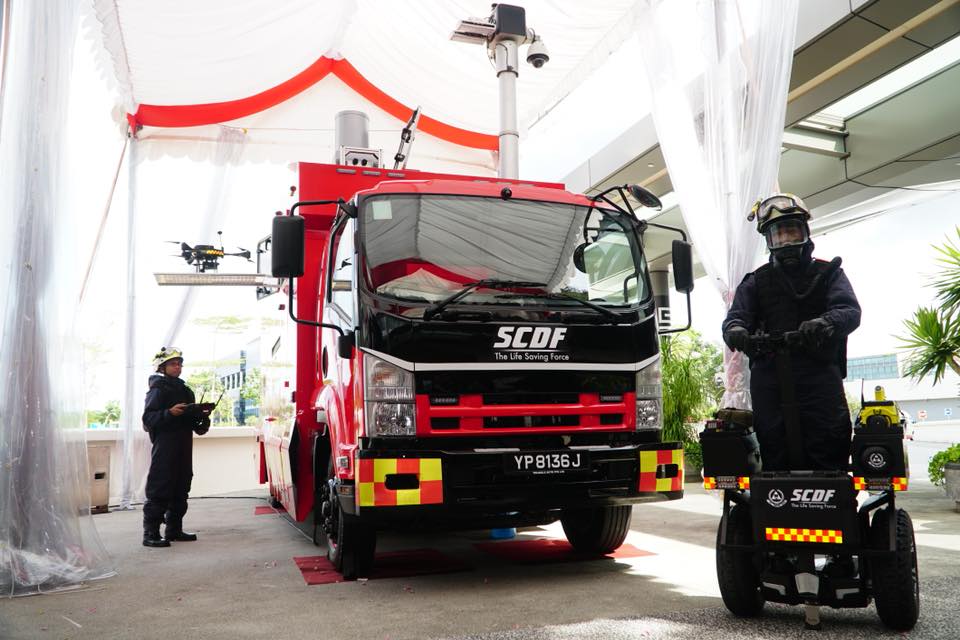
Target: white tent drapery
[[718, 74]]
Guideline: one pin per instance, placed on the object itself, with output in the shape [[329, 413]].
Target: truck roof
[[490, 188]]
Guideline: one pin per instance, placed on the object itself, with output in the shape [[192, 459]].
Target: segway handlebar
[[769, 343]]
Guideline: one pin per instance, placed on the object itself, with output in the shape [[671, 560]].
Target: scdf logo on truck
[[530, 344], [530, 337]]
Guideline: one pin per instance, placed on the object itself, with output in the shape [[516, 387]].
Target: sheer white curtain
[[718, 72], [47, 537], [139, 345]]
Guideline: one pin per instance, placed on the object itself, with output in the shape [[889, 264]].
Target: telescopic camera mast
[[502, 34]]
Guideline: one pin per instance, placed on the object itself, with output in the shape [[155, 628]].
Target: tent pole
[[130, 411]]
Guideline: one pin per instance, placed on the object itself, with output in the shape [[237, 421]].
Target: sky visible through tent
[[888, 260]]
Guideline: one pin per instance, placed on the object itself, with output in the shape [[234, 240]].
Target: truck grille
[[509, 402]]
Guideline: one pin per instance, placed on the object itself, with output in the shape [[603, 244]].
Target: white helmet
[[165, 355]]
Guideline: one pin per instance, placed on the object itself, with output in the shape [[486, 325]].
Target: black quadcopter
[[206, 257]]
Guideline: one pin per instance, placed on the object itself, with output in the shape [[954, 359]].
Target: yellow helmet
[[165, 355], [782, 220]]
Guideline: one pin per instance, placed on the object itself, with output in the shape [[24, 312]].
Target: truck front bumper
[[393, 486]]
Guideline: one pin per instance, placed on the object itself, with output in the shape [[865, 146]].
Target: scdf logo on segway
[[776, 498]]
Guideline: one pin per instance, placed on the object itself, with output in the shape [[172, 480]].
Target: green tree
[[207, 385], [933, 335], [252, 388], [106, 416]]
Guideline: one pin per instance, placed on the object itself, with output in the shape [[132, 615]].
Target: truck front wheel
[[351, 544], [596, 531]]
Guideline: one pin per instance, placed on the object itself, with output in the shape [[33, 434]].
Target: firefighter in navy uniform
[[171, 418], [795, 292]]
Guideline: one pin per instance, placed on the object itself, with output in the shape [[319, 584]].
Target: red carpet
[[392, 564], [550, 550], [262, 511]]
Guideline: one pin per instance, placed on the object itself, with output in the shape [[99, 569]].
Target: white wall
[[224, 460]]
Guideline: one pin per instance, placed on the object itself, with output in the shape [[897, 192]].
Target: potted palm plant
[[933, 338], [944, 471], [933, 335]]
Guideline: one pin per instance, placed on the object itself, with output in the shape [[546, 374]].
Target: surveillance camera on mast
[[537, 54], [502, 34]]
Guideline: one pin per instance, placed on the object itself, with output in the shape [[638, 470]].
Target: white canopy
[[250, 56]]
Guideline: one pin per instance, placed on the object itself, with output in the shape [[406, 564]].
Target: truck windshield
[[426, 248]]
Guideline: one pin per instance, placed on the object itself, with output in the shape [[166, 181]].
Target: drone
[[206, 257]]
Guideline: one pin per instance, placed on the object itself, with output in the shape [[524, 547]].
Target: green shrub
[[688, 368], [693, 453], [939, 460]]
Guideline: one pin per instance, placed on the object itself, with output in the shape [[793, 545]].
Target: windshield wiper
[[595, 307], [491, 283]]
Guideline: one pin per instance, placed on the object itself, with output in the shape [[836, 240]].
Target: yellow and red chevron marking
[[650, 460], [780, 534], [372, 488], [862, 484], [726, 482]]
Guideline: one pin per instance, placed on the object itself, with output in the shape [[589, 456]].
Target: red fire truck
[[471, 353]]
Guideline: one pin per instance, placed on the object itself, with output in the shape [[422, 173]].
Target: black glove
[[816, 332], [737, 338]]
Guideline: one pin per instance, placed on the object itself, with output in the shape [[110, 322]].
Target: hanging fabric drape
[[47, 537], [230, 145], [719, 71]]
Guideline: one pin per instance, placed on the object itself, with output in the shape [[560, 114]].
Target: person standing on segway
[[171, 418], [795, 292]]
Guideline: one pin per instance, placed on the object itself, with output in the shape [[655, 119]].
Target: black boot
[[151, 537], [176, 534]]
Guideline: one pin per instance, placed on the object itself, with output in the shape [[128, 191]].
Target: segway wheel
[[896, 581], [597, 531], [737, 572]]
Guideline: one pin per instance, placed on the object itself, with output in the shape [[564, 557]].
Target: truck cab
[[472, 353]]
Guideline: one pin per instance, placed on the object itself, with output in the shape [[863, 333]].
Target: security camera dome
[[537, 54]]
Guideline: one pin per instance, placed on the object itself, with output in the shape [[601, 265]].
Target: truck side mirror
[[287, 238], [345, 345], [645, 197], [578, 260], [682, 266]]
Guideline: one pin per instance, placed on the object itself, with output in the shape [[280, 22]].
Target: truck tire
[[596, 531], [896, 582], [737, 572], [351, 544]]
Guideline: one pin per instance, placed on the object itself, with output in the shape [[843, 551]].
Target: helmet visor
[[786, 233], [783, 204]]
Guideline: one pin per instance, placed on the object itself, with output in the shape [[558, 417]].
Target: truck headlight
[[389, 395], [649, 398]]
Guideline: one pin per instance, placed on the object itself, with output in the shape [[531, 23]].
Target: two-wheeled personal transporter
[[799, 537]]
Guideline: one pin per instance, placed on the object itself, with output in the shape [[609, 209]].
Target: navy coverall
[[818, 376], [171, 462]]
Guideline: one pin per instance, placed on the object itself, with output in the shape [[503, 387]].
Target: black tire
[[737, 572], [896, 581], [351, 544], [276, 504], [597, 531]]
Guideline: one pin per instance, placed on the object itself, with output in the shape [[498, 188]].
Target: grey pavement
[[239, 581]]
